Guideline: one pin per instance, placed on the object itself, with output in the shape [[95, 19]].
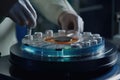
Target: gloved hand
[[23, 13], [71, 21]]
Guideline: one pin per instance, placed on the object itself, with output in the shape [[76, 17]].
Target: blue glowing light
[[28, 49]]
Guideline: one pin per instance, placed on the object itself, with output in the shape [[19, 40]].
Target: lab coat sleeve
[[51, 9]]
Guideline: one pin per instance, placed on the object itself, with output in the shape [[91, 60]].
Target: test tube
[[27, 39], [96, 35], [38, 35], [49, 33], [86, 44], [77, 34], [99, 39], [61, 32], [76, 45], [87, 34], [94, 42]]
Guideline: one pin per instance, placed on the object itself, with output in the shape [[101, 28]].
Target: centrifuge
[[64, 51]]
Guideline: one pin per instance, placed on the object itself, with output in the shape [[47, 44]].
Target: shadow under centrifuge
[[60, 72], [22, 74]]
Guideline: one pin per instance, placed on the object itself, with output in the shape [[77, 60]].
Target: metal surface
[[81, 65], [8, 70]]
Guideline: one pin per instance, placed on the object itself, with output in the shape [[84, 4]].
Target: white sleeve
[[7, 36], [51, 9]]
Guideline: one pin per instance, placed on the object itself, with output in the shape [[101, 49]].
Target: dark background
[[99, 15]]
